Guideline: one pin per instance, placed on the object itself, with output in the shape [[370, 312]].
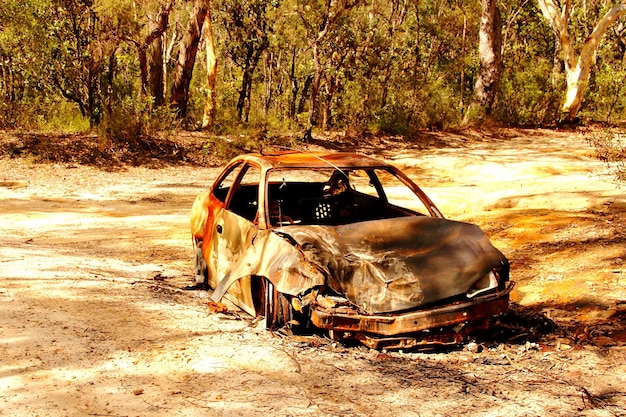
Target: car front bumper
[[442, 325]]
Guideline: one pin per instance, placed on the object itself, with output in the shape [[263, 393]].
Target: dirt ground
[[94, 320]]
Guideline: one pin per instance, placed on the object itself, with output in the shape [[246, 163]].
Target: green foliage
[[64, 117], [392, 119], [606, 98], [429, 107], [390, 67], [527, 96], [135, 119]]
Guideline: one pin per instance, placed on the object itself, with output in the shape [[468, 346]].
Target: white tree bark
[[490, 57], [577, 70]]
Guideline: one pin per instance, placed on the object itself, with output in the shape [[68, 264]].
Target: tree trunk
[[305, 94], [150, 55], [168, 47], [332, 84], [143, 69], [187, 58], [462, 82], [252, 60], [108, 98], [268, 81], [208, 117], [578, 77], [94, 97], [6, 80], [155, 76], [490, 55], [315, 87], [294, 86], [246, 83], [577, 71], [557, 62]]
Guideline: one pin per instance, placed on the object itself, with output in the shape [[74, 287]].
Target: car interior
[[333, 202]]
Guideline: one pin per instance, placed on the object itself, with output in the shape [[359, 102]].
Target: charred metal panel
[[336, 317], [273, 257], [398, 264], [230, 237]]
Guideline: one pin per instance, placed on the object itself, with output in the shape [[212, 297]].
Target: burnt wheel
[[278, 310]]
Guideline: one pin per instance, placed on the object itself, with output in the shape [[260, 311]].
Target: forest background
[[129, 69]]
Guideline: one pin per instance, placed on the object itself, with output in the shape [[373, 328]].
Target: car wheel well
[[275, 306]]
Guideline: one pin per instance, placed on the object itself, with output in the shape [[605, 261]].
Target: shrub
[[527, 96], [609, 145], [132, 119]]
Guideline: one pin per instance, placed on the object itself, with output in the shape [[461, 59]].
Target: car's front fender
[[277, 259]]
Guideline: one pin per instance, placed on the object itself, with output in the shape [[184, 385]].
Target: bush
[[527, 96], [605, 98], [433, 105], [392, 119], [226, 147], [8, 115], [132, 120], [610, 146]]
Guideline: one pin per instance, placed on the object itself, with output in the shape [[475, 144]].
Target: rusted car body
[[347, 244]]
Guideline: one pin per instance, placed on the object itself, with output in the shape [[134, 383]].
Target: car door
[[234, 229]]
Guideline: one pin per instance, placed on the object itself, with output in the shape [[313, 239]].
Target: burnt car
[[346, 244]]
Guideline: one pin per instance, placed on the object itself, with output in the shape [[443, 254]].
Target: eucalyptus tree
[[528, 92], [208, 115], [23, 47], [321, 20], [441, 66], [579, 48], [81, 44], [247, 27], [365, 64], [288, 68], [143, 26], [490, 58], [390, 17], [187, 57]]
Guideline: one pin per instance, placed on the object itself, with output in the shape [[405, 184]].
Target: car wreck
[[346, 244]]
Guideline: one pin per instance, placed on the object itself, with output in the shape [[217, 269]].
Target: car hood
[[401, 263]]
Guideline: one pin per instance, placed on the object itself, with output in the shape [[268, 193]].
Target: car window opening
[[333, 197], [244, 199]]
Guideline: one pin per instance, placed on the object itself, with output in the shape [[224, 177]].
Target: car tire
[[278, 310]]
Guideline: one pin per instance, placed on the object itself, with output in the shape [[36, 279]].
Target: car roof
[[297, 159]]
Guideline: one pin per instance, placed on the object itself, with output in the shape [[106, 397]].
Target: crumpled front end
[[442, 324], [405, 282], [392, 265]]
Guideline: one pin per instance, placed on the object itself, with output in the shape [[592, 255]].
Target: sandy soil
[[94, 321]]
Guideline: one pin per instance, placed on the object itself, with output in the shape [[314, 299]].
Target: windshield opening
[[330, 196]]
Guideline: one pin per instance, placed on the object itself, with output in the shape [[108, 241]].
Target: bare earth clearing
[[94, 321]]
